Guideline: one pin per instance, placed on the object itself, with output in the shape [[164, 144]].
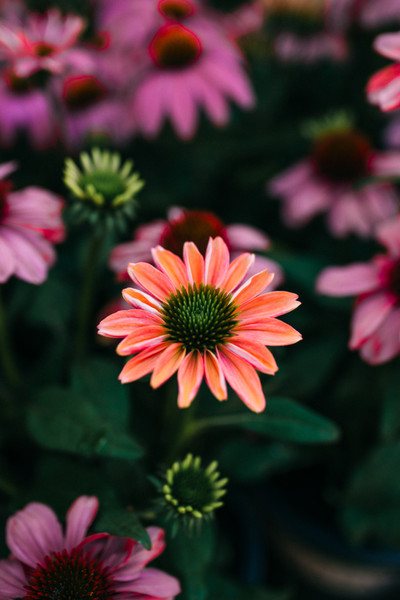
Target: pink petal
[[388, 44], [242, 377], [255, 353], [244, 237], [384, 343], [116, 551], [141, 300], [32, 254], [252, 287], [141, 364], [348, 215], [237, 272], [388, 234], [167, 364], [216, 261], [190, 375], [80, 516], [271, 304], [151, 279], [368, 316], [291, 179], [123, 322], [171, 265], [140, 556], [142, 337], [214, 376], [33, 533], [7, 259], [151, 583], [12, 580], [194, 263], [386, 164], [268, 331], [183, 109], [349, 280]]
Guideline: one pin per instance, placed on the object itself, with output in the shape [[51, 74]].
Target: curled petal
[[151, 279]]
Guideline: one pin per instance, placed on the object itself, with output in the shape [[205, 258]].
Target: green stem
[[88, 284], [194, 427], [6, 355]]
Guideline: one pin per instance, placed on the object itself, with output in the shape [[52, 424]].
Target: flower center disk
[[83, 91], [192, 487], [106, 183], [69, 576], [194, 225], [174, 46], [342, 155], [199, 317], [175, 9]]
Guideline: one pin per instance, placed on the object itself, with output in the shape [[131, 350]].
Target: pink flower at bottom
[[46, 563], [375, 325], [197, 317], [30, 222], [197, 226]]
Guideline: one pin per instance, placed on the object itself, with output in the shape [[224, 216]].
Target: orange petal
[[141, 300], [268, 331], [141, 364], [151, 279], [194, 263], [167, 364], [255, 353], [243, 378], [237, 271], [122, 322], [252, 287], [141, 337], [214, 376], [271, 304], [216, 261], [190, 375], [171, 265]]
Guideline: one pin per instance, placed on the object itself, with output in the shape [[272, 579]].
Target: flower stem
[[6, 355], [86, 298]]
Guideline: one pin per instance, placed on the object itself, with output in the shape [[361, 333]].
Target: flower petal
[[123, 322], [141, 300], [216, 261], [151, 584], [140, 556], [171, 265], [255, 353], [167, 364], [151, 279], [243, 378], [141, 364], [141, 338], [252, 287], [368, 316], [194, 263], [12, 580], [268, 331], [384, 343], [190, 375], [237, 271], [271, 304], [80, 516], [244, 237], [349, 280], [388, 234], [214, 376]]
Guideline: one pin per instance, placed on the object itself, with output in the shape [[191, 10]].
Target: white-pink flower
[[343, 177], [30, 223], [47, 563], [184, 225], [375, 325]]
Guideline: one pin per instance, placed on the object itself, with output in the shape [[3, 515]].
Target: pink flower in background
[[188, 69], [291, 47], [336, 179], [197, 317], [375, 326], [383, 88], [30, 222], [184, 225], [44, 42], [46, 563], [367, 13]]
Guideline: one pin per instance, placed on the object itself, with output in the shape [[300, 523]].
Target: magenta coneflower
[[375, 326], [184, 225], [195, 316], [30, 222], [45, 563], [337, 179]]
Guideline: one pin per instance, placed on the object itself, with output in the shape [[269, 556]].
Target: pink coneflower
[[375, 326], [195, 316], [383, 88], [336, 179], [30, 222], [45, 563], [44, 42], [197, 226], [189, 68]]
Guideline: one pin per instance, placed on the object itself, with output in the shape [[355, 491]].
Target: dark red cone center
[[174, 47], [193, 226]]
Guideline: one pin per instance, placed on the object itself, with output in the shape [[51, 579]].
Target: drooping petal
[[80, 516], [142, 337], [152, 583], [141, 364], [268, 331], [214, 376], [244, 237], [349, 280], [368, 316], [194, 263], [216, 261], [384, 343], [151, 279], [190, 375], [255, 353], [271, 304], [253, 287], [33, 533], [12, 580], [237, 271], [122, 322], [140, 556], [168, 362], [243, 378], [141, 300], [171, 265]]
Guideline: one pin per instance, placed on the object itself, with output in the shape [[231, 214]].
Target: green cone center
[[199, 317], [192, 487], [106, 183]]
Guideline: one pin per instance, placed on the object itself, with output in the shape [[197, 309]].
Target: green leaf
[[61, 419], [123, 523]]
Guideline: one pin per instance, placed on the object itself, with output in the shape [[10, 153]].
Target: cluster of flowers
[[143, 63]]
